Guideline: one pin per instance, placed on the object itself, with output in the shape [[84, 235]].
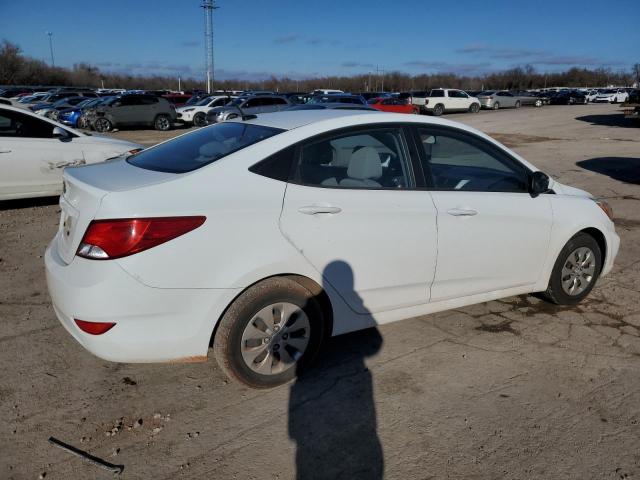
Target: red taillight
[[94, 328], [108, 239]]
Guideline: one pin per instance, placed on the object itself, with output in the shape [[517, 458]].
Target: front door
[[492, 234], [31, 160], [359, 221]]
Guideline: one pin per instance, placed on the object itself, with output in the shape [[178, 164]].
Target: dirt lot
[[514, 389]]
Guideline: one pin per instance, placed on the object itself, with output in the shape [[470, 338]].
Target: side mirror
[[61, 134], [538, 183]]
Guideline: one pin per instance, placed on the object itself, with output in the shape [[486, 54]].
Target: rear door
[[362, 224], [492, 234]]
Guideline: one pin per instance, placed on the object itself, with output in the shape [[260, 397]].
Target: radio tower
[[209, 6]]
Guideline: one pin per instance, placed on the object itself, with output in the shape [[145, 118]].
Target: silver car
[[495, 99], [247, 106]]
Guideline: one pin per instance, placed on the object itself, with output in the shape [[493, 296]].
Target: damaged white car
[[34, 151]]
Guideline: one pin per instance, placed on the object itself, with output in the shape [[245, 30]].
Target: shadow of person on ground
[[625, 169], [610, 120], [332, 415]]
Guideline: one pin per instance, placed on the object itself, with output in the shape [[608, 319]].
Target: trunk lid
[[85, 187]]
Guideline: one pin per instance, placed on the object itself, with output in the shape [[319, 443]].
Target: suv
[[247, 106], [441, 100], [134, 109]]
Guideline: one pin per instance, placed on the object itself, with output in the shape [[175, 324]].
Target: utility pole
[[209, 6], [50, 34]]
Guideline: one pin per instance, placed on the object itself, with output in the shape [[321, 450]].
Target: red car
[[177, 99], [392, 104]]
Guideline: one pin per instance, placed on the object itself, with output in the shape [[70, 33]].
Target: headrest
[[364, 164]]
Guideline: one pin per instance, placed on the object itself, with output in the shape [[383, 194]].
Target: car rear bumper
[[152, 324]]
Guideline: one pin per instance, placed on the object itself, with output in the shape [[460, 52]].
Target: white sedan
[[197, 113], [264, 236], [34, 151], [612, 95]]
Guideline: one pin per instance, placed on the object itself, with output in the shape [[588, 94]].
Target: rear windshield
[[202, 147]]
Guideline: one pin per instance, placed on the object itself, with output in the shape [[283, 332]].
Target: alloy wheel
[[578, 271], [275, 338]]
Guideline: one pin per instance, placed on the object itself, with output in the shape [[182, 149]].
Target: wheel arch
[[318, 292], [600, 239]]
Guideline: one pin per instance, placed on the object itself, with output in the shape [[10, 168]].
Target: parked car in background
[[11, 92], [297, 98], [196, 114], [133, 110], [325, 91], [611, 95], [528, 98], [369, 95], [442, 100], [155, 259], [569, 97], [495, 99], [418, 98], [73, 116], [34, 151], [393, 104], [177, 99], [53, 110], [330, 106], [247, 106], [591, 95], [338, 98]]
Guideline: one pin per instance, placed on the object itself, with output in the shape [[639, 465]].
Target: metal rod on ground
[[87, 456]]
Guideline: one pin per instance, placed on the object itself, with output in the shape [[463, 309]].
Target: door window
[[458, 161], [15, 124], [373, 158]]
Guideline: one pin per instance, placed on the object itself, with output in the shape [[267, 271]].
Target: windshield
[[609, 91], [201, 148], [205, 101]]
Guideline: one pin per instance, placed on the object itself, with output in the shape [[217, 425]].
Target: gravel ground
[[512, 389]]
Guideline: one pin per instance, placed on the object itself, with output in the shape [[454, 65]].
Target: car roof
[[290, 119]]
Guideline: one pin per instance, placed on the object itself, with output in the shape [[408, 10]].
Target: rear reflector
[[94, 328], [109, 239]]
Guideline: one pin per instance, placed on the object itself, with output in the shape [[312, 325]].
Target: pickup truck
[[441, 100]]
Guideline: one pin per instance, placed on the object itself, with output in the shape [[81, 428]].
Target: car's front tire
[[496, 106], [200, 119], [270, 333], [576, 270], [474, 108], [538, 103]]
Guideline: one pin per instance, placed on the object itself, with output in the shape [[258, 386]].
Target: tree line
[[19, 69]]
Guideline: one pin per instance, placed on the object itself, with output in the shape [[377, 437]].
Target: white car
[[264, 236], [197, 113], [591, 95], [34, 150], [442, 100], [612, 95]]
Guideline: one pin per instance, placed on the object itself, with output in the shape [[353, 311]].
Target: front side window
[[458, 161], [202, 147], [373, 158]]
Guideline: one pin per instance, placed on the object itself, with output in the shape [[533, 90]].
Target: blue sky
[[256, 39]]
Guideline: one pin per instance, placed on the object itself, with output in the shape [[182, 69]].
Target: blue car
[[70, 116]]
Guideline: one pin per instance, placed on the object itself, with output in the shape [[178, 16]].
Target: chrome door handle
[[462, 212], [316, 209]]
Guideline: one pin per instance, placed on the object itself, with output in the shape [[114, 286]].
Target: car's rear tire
[[474, 108], [517, 104], [270, 333], [200, 119], [102, 125], [162, 123], [438, 110], [538, 103], [81, 122], [496, 105], [576, 270]]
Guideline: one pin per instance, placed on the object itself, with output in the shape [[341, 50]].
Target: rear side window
[[201, 148], [437, 93], [277, 166]]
